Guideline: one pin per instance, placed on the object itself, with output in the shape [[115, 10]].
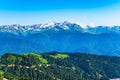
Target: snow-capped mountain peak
[[62, 37], [72, 26], [51, 24]]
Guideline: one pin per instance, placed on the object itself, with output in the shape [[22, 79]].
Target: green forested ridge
[[59, 66]]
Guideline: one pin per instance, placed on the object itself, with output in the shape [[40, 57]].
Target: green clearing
[[61, 56], [43, 60]]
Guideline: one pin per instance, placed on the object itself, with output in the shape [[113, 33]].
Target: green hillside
[[58, 66]]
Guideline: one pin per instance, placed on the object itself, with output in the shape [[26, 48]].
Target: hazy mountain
[[62, 37]]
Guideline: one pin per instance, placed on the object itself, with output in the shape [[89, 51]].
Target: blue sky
[[98, 12]]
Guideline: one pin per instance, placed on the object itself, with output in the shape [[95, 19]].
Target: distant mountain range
[[62, 37], [66, 26]]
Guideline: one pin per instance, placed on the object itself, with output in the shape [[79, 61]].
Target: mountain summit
[[62, 37], [73, 26]]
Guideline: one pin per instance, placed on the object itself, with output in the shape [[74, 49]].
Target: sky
[[29, 12]]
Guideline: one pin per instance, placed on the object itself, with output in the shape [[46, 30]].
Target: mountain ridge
[[17, 29], [67, 37], [56, 65]]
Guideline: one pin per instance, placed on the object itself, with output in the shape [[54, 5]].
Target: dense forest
[[58, 66]]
